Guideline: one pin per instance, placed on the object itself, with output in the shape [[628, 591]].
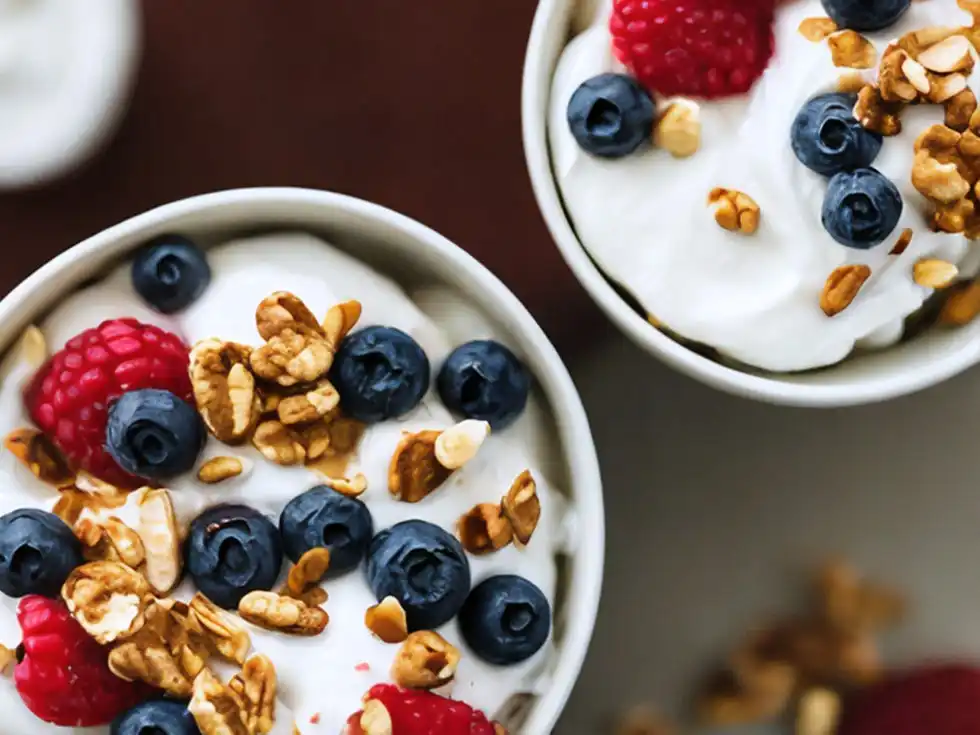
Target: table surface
[[714, 504]]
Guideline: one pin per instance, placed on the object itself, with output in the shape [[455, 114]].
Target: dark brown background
[[415, 105]]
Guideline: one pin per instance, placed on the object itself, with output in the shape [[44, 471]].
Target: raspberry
[[423, 713], [938, 699], [70, 396], [695, 48], [63, 676]]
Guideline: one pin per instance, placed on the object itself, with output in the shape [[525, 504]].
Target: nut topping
[[842, 287], [484, 529], [949, 55], [274, 612], [110, 540], [522, 506], [226, 635], [107, 598], [934, 273], [153, 665], [904, 240], [296, 348], [219, 469], [942, 88], [352, 487], [414, 471], [387, 620], [36, 452], [277, 444], [817, 29], [158, 531], [851, 49], [309, 406], [224, 389], [959, 110], [8, 656], [308, 571], [425, 660], [876, 114], [962, 306], [459, 444], [678, 131], [735, 210], [256, 689], [339, 321], [217, 709], [940, 182]]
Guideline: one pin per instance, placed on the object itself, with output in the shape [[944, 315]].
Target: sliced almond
[[459, 444], [158, 531], [387, 620], [949, 55], [915, 73], [816, 29], [934, 273], [942, 87]]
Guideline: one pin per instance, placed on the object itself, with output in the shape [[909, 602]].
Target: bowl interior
[[864, 378], [414, 255]]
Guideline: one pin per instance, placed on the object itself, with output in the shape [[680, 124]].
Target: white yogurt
[[645, 220], [320, 675]]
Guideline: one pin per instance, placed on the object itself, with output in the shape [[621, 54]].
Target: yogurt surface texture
[[321, 679], [645, 219]]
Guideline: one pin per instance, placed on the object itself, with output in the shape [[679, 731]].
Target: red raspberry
[[422, 713], [695, 48], [939, 700], [64, 675], [69, 397]]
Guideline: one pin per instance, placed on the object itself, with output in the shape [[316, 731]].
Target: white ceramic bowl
[[397, 245], [906, 368]]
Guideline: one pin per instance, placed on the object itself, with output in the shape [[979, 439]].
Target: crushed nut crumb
[[484, 528]]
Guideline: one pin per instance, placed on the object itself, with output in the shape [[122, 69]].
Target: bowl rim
[[535, 96], [578, 448]]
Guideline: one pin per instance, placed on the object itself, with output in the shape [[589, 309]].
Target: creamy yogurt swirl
[[325, 675], [645, 221]]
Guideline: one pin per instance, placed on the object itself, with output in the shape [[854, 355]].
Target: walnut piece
[[850, 49], [225, 633], [962, 306], [309, 406], [340, 319], [153, 665], [72, 502], [938, 182], [387, 620], [816, 29], [296, 349], [107, 598], [484, 529], [285, 614], [219, 469], [308, 571], [36, 452], [425, 660], [217, 709], [522, 506], [224, 389], [256, 689], [735, 210], [876, 114], [458, 444], [895, 76], [934, 273], [278, 444], [351, 487], [959, 110], [161, 539], [954, 217], [110, 539], [415, 471], [842, 287], [678, 131]]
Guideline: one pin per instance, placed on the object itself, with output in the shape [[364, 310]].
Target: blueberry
[[37, 553], [380, 373], [233, 550], [861, 208], [865, 15], [505, 619], [828, 139], [154, 434], [156, 717], [611, 115], [484, 380], [324, 517], [423, 567], [170, 273]]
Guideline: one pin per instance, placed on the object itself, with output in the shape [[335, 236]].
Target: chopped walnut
[[217, 709], [734, 210], [107, 598], [153, 665], [522, 506], [256, 689], [949, 55], [425, 660], [959, 110], [340, 319], [842, 287], [678, 131], [161, 539], [314, 439], [939, 182], [225, 633], [352, 487], [818, 713], [962, 306], [851, 49], [308, 571], [415, 471], [72, 502], [296, 348], [278, 444], [816, 29], [387, 620], [876, 114], [224, 389], [110, 540], [309, 406], [286, 614], [458, 444], [484, 528], [895, 76], [934, 273], [904, 240], [953, 217], [219, 469], [36, 452]]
